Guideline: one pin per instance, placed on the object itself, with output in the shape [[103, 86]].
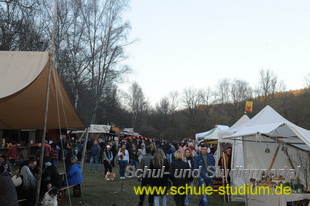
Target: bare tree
[[174, 104], [240, 90], [222, 91], [71, 52], [191, 99], [163, 109], [269, 84], [19, 29], [106, 34], [307, 81], [137, 103], [206, 96]]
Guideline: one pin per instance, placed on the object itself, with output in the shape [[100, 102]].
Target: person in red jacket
[[54, 154], [13, 154], [47, 151]]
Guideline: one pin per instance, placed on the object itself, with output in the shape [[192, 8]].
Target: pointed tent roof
[[211, 134], [23, 83], [235, 127], [271, 123]]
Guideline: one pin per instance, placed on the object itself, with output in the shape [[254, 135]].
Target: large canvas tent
[[23, 83], [287, 144]]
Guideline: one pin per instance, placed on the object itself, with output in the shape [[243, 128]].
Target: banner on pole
[[248, 106]]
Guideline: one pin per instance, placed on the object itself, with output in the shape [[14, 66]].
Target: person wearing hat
[[107, 159]]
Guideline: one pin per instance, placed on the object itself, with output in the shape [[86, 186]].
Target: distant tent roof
[[99, 128], [23, 83], [129, 132], [211, 134]]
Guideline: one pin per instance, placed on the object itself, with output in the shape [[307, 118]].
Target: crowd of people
[[21, 184], [138, 153], [173, 156]]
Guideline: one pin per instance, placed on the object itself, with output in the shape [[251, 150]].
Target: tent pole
[[224, 179], [46, 107], [84, 149], [82, 135], [274, 157], [40, 168]]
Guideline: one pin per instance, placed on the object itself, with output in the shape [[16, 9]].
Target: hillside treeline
[[184, 123]]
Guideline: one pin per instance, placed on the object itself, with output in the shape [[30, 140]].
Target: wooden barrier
[[62, 196]]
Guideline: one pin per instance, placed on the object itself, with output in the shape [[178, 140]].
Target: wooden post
[[84, 149], [46, 107], [224, 178], [274, 157]]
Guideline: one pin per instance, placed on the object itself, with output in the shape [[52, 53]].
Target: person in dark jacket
[[133, 155], [5, 164], [204, 160], [95, 154], [25, 184], [180, 175], [107, 159], [168, 151], [190, 160], [69, 153], [114, 152], [8, 195], [158, 163], [145, 162], [50, 178]]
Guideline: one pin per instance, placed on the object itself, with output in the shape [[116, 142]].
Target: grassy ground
[[97, 191]]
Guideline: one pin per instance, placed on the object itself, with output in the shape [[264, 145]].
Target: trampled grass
[[98, 192]]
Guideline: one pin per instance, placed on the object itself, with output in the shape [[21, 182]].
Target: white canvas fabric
[[267, 129], [275, 126], [19, 69], [221, 141], [212, 134], [23, 93], [99, 128], [234, 128]]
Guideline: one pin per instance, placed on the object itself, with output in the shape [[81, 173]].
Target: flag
[[248, 106]]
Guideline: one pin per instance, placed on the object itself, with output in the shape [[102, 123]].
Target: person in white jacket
[[141, 152], [123, 159]]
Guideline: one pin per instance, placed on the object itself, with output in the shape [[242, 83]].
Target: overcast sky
[[195, 43]]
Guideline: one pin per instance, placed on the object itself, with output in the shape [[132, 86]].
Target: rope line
[[57, 91], [59, 128]]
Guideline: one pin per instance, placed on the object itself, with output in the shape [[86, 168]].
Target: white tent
[[268, 130], [211, 134]]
